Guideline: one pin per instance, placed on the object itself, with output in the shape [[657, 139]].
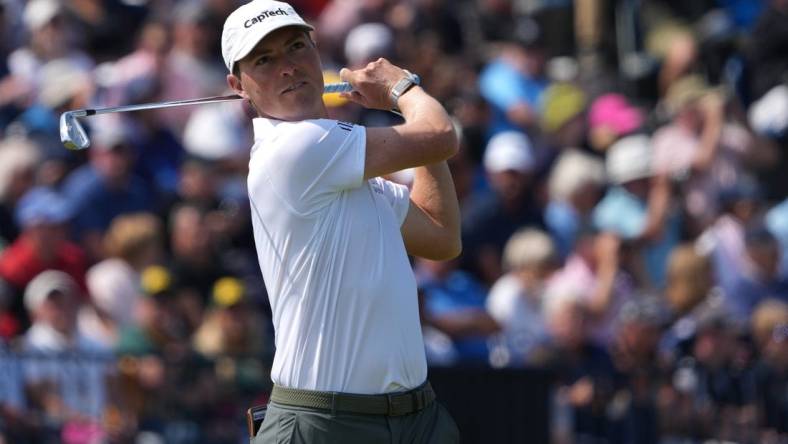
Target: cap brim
[[253, 42]]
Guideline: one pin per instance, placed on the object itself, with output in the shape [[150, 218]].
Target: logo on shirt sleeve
[[345, 126]]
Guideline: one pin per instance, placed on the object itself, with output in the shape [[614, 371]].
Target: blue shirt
[[503, 86], [624, 214], [564, 223], [95, 204], [458, 292]]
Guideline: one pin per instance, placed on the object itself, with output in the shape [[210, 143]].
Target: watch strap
[[402, 86]]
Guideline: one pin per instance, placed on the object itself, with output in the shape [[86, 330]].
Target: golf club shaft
[[329, 88]]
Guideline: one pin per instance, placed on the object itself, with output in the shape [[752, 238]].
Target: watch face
[[403, 85]]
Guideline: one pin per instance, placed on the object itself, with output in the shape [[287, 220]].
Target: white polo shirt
[[342, 291]]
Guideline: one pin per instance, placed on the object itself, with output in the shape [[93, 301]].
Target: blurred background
[[623, 176]]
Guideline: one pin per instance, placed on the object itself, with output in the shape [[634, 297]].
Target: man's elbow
[[446, 139], [451, 248]]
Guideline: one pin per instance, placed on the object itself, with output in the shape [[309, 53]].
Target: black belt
[[390, 404]]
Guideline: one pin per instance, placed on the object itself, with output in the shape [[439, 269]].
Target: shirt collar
[[263, 125]]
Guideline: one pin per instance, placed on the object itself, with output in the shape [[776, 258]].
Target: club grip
[[337, 87]]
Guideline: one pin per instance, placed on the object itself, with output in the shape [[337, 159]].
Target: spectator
[[65, 373], [18, 159], [217, 134], [16, 424], [593, 273], [513, 82], [585, 375], [760, 279], [133, 242], [635, 354], [770, 330], [230, 337], [226, 330], [711, 394], [515, 301], [575, 187], [196, 264], [723, 241], [191, 71], [611, 117], [106, 187], [492, 218], [689, 292], [42, 245], [167, 387], [49, 40], [563, 116], [454, 304], [699, 147], [63, 85], [637, 209], [159, 327]]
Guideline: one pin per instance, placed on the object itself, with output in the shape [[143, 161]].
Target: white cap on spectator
[[574, 171], [247, 25], [629, 159], [215, 132], [61, 79], [40, 12], [44, 284], [368, 41], [509, 150], [114, 288], [528, 247], [109, 131], [769, 114]]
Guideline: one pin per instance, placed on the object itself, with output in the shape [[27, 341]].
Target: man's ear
[[235, 84]]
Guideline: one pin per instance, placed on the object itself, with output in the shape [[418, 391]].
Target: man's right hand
[[372, 84]]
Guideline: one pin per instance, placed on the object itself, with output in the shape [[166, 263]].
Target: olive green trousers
[[296, 425]]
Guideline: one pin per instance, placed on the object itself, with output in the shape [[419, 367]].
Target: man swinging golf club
[[333, 237]]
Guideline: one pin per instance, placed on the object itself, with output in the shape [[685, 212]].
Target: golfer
[[333, 237]]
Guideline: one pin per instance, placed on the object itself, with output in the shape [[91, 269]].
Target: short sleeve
[[398, 196], [308, 163]]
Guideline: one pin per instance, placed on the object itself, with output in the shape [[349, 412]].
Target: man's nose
[[287, 67]]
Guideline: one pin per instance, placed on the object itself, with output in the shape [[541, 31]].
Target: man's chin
[[301, 110]]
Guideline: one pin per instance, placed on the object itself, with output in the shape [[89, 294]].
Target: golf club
[[74, 137]]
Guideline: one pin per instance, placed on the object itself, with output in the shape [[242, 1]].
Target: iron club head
[[72, 134]]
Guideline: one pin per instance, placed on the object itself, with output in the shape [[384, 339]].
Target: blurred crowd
[[622, 181]]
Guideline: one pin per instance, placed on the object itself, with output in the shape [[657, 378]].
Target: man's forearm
[[433, 191]]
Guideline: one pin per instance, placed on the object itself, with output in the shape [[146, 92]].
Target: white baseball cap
[[509, 150], [42, 286], [247, 25], [40, 12], [629, 159]]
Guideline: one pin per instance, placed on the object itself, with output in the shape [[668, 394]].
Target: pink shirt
[[675, 149], [577, 276]]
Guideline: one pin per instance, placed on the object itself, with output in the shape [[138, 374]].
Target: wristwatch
[[402, 86]]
